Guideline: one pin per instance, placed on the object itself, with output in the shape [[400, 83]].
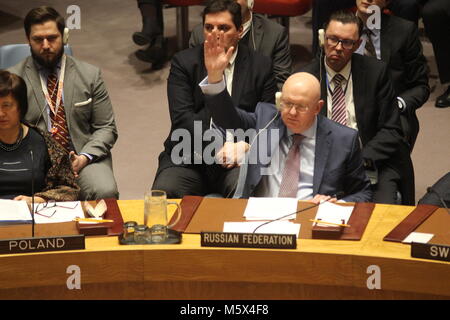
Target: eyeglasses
[[286, 106], [346, 43], [44, 208]]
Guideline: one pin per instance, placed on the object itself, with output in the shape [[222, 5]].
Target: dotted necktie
[[60, 131]]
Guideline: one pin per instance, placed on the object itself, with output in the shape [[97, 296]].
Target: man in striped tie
[[358, 93], [68, 98]]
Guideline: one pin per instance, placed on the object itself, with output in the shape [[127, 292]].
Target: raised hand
[[217, 57]]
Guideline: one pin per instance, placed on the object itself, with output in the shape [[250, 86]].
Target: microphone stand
[[32, 194]]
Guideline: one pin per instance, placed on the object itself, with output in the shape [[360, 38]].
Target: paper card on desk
[[275, 227], [12, 211], [330, 212], [270, 208], [55, 212], [418, 237]]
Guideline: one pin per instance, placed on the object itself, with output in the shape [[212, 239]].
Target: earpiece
[[278, 100], [250, 4], [321, 35], [66, 36]]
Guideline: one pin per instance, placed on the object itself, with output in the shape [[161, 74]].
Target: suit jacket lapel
[[33, 77], [385, 36], [256, 32], [240, 73], [323, 146], [69, 84], [359, 88]]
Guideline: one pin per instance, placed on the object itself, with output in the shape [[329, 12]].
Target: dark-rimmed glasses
[[45, 208], [346, 43]]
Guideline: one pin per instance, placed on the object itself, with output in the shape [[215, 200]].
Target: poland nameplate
[[40, 244]]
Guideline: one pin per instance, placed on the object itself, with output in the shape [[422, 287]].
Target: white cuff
[[212, 88]]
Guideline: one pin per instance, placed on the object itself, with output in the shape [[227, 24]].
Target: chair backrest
[[12, 54]]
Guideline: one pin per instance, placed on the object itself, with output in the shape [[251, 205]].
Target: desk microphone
[[431, 189], [337, 195], [32, 193]]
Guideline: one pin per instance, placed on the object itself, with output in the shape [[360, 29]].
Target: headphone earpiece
[[66, 36], [278, 100], [321, 35], [250, 4]]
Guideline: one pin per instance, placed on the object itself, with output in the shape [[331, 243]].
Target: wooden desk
[[318, 269]]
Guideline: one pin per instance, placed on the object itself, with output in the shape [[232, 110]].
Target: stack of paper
[[12, 212], [58, 212], [275, 227], [333, 213], [270, 208]]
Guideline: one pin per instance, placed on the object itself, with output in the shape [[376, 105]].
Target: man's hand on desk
[[232, 154], [318, 198]]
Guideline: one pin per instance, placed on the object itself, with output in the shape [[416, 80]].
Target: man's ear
[[320, 104], [241, 30]]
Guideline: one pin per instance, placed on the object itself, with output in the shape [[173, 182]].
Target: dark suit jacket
[[401, 49], [338, 164], [253, 81], [377, 116], [270, 39]]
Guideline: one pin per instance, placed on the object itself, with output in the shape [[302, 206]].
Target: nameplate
[[430, 251], [40, 244], [248, 240]]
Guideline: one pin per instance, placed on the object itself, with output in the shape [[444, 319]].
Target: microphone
[[431, 190], [32, 193], [338, 195]]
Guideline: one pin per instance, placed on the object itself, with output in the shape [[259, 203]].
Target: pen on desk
[[92, 220], [331, 223]]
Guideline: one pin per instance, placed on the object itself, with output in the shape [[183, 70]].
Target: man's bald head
[[302, 91], [302, 84]]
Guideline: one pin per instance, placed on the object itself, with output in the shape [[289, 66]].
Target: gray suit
[[268, 38], [89, 116]]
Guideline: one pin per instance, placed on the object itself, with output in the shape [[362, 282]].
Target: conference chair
[[12, 54]]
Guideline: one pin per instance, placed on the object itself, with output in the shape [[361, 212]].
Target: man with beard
[[68, 98]]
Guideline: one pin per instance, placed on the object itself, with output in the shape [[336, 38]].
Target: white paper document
[[333, 213], [58, 212], [418, 237], [270, 208], [12, 211], [277, 227]]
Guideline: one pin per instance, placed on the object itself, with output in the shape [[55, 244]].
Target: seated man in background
[[221, 60], [68, 98], [311, 158], [397, 43], [262, 35], [358, 93], [322, 10]]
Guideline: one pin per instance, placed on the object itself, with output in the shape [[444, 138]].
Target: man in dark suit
[[322, 10], [248, 79], [309, 157], [396, 41], [358, 92], [262, 35], [436, 18]]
